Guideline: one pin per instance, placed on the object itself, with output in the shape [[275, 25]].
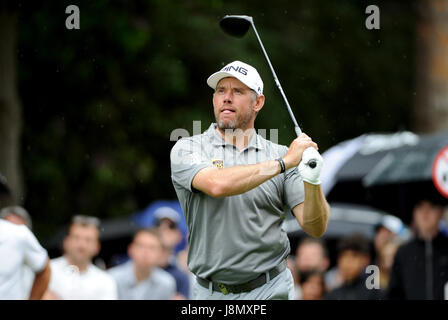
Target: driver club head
[[236, 25]]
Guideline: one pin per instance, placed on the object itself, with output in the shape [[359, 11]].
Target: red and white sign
[[440, 172]]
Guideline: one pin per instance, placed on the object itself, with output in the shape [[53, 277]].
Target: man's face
[[310, 256], [82, 243], [387, 255], [234, 104], [313, 288], [382, 236], [169, 233], [427, 217], [145, 251], [351, 264]]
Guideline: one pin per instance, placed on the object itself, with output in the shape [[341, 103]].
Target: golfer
[[233, 186]]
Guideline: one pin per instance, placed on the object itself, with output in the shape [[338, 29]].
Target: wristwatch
[[282, 165]]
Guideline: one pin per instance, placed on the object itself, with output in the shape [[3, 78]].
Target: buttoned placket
[[238, 157]]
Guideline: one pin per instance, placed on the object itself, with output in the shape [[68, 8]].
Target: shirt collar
[[67, 264], [131, 277], [217, 140]]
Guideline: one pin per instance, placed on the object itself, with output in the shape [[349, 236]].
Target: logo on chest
[[218, 163]]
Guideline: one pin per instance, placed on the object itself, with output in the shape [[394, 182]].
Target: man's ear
[[259, 103]]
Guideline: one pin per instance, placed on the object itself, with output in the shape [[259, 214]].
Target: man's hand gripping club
[[301, 151]]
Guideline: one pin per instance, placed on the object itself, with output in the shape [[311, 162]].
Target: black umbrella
[[391, 171], [346, 219], [400, 199]]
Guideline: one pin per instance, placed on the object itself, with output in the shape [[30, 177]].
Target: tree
[[99, 103], [10, 108], [431, 101]]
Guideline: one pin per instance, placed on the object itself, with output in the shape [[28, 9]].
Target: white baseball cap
[[240, 70], [391, 223], [167, 213]]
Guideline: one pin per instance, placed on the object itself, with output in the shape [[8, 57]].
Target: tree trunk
[[431, 103], [10, 110]]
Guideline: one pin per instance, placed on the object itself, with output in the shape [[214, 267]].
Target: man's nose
[[228, 97]]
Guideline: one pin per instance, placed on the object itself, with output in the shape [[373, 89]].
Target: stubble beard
[[240, 121]]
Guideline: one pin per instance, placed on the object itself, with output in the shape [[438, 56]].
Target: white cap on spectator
[[167, 213], [392, 223]]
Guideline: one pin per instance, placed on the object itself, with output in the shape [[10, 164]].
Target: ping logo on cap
[[240, 70], [236, 68]]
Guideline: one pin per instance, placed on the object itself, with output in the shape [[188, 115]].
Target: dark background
[[99, 103]]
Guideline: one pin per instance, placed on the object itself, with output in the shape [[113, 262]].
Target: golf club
[[238, 26]]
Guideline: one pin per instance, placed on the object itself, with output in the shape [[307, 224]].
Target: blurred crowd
[[388, 267], [150, 271]]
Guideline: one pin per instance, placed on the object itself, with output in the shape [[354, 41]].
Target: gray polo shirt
[[233, 239], [160, 285]]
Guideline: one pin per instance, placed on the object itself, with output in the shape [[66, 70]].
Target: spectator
[[20, 216], [311, 254], [385, 259], [420, 269], [312, 285], [140, 278], [74, 276], [167, 225], [16, 215], [333, 279], [182, 262], [19, 247], [167, 221], [390, 228], [291, 264], [353, 258]]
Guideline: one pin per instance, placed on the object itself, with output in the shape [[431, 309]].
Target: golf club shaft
[[277, 82], [312, 162]]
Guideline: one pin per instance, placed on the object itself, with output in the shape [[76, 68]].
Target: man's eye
[[238, 91]]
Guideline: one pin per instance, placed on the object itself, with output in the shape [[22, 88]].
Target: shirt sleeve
[[187, 159], [294, 191], [35, 256]]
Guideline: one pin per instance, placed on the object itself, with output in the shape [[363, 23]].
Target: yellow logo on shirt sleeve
[[218, 163]]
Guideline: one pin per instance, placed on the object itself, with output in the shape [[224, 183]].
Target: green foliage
[[100, 102]]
